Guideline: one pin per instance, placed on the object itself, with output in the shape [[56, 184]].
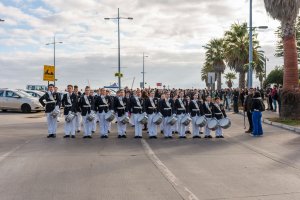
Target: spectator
[[257, 106], [274, 95]]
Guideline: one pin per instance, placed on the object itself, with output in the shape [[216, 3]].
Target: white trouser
[[131, 120], [219, 131], [103, 124], [152, 128], [181, 128], [207, 130], [87, 126], [195, 127], [167, 127], [94, 123], [121, 127], [70, 127], [52, 124], [138, 126], [78, 121], [109, 125], [161, 126], [175, 126]]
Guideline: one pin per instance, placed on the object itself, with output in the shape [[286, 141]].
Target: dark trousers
[[235, 106], [257, 124], [271, 103], [249, 116]]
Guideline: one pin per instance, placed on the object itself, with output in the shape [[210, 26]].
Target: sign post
[[49, 73]]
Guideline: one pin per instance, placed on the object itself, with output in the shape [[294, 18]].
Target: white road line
[[7, 154], [183, 190]]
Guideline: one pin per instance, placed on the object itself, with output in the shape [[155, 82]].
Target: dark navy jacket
[[50, 103]]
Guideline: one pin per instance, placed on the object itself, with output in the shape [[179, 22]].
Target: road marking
[[7, 154], [182, 190]]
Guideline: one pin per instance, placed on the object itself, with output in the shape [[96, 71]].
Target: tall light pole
[[54, 44], [251, 28], [143, 72], [119, 51], [266, 59]]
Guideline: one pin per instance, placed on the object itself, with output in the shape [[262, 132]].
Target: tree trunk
[[290, 104], [242, 76], [290, 76], [219, 74]]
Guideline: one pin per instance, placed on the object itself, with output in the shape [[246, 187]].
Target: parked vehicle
[[18, 100], [37, 87]]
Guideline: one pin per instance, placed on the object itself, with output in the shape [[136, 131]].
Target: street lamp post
[[119, 51], [54, 44], [266, 59], [143, 72]]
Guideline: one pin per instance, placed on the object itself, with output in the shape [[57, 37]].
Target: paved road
[[33, 167]]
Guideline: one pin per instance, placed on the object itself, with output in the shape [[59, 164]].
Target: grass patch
[[290, 122]]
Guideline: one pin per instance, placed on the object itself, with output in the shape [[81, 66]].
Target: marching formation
[[168, 113]]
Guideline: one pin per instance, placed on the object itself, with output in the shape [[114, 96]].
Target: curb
[[283, 126], [279, 125]]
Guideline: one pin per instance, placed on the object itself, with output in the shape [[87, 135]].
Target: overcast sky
[[170, 32]]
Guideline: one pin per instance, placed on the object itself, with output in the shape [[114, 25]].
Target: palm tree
[[236, 50], [229, 77], [215, 57], [204, 72], [286, 11]]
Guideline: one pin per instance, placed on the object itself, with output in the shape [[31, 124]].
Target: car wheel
[[26, 108]]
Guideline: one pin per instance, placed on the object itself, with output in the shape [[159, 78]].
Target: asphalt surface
[[33, 167]]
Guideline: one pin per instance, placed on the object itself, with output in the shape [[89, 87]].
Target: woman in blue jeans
[[257, 107]]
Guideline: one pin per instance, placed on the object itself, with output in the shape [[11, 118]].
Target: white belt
[[256, 110], [103, 105], [50, 102], [180, 109], [151, 107], [68, 106], [86, 106], [120, 108], [167, 108], [195, 109], [218, 113], [137, 107]]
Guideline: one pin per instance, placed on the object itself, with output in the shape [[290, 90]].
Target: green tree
[[214, 56], [236, 51], [229, 79], [286, 11], [275, 76]]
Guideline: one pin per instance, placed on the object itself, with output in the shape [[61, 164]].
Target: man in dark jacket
[[51, 101], [247, 109]]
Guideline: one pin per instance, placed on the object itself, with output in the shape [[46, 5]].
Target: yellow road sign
[[49, 73]]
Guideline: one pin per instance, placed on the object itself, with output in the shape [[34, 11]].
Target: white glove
[[57, 107]]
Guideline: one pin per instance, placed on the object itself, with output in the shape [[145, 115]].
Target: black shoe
[[132, 126], [105, 136], [84, 137], [170, 137], [187, 132], [176, 132], [209, 136], [53, 135], [217, 136], [124, 136], [147, 132], [196, 136], [182, 137], [108, 131], [154, 137], [73, 136], [136, 137], [90, 137], [221, 136], [201, 133], [49, 136], [78, 131], [102, 136], [93, 131], [150, 137], [66, 136], [162, 132], [119, 136], [125, 132], [166, 137]]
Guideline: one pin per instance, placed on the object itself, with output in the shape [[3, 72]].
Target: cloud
[[171, 32]]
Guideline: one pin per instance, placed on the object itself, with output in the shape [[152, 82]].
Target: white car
[[18, 100], [34, 93]]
